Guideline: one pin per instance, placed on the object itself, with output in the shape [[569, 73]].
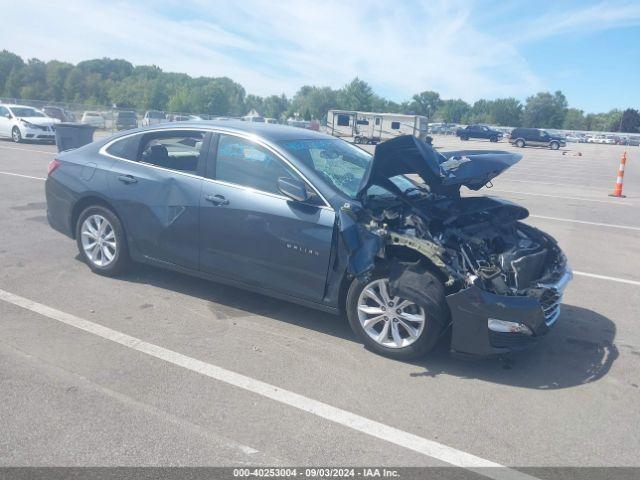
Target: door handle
[[218, 200], [128, 179]]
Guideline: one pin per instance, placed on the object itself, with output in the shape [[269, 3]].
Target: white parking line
[[345, 418], [49, 152], [562, 176], [23, 176], [509, 179], [131, 402], [597, 224], [605, 277], [581, 199]]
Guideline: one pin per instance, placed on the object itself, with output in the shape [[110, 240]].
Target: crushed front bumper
[[472, 308]]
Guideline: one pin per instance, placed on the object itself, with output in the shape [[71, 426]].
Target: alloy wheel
[[98, 240], [393, 322]]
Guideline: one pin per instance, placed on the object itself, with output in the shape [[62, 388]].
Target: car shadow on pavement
[[230, 302], [579, 350]]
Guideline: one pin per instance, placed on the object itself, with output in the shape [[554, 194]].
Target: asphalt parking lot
[[73, 393]]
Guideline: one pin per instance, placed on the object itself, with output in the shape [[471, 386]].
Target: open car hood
[[444, 172]]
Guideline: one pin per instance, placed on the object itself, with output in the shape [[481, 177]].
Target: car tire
[[493, 139], [554, 145], [110, 256], [16, 135], [429, 302], [520, 143], [464, 138]]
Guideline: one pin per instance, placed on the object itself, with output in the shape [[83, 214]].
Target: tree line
[[108, 82]]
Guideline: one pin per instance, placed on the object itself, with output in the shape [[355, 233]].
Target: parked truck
[[372, 127]]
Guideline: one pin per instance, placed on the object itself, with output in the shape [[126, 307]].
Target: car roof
[[267, 131]]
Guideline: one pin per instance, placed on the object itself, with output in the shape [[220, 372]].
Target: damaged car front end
[[503, 279]]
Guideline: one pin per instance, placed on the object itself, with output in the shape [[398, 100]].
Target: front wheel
[[395, 326], [16, 136], [101, 241], [493, 139], [464, 138], [520, 143], [554, 145]]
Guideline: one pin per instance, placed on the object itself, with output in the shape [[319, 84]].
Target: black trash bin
[[70, 135]]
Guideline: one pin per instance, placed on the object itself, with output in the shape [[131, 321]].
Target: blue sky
[[463, 49]]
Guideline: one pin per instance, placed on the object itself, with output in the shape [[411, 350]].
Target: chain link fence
[[104, 118]]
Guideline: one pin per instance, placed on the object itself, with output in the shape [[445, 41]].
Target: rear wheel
[[519, 143], [16, 136], [394, 326], [101, 241], [464, 137]]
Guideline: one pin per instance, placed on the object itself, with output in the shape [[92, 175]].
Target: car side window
[[126, 148], [243, 162], [175, 150]]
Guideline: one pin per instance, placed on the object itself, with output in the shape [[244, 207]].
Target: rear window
[[126, 115]]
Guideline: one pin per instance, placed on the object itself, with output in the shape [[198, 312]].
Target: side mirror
[[8, 116], [294, 189]]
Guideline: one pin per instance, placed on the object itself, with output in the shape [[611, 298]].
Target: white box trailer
[[372, 127]]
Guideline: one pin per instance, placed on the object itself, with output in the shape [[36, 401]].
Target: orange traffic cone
[[617, 192]]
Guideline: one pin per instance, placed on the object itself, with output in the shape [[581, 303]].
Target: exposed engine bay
[[503, 279], [472, 241]]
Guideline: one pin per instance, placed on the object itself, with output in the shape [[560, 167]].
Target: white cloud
[[588, 19], [273, 47]]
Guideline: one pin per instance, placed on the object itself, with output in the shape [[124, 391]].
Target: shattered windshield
[[339, 164]]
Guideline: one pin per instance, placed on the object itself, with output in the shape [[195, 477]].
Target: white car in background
[[21, 122], [95, 119], [153, 117]]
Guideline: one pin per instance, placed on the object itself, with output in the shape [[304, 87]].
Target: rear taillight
[[53, 165]]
